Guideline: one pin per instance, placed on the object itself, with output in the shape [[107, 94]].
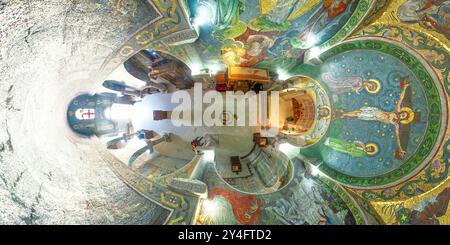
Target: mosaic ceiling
[[364, 88], [383, 69], [268, 34]]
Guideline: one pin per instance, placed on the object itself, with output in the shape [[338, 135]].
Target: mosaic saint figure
[[355, 149], [227, 21], [305, 34], [247, 50], [246, 208], [401, 115], [330, 10], [227, 13], [283, 10], [257, 46], [430, 14], [351, 84], [233, 52], [277, 18], [427, 212]]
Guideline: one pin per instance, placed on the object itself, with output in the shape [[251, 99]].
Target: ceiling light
[[287, 148], [213, 69], [107, 113], [195, 69], [204, 16], [315, 52], [209, 155], [282, 74], [314, 170], [311, 40], [210, 207]]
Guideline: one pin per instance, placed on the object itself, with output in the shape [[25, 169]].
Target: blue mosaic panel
[[388, 70]]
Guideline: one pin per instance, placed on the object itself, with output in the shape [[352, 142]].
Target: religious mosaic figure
[[227, 23], [351, 84], [224, 214], [306, 34], [427, 212], [247, 50], [233, 52], [430, 14], [402, 115], [355, 149], [277, 17], [257, 46], [330, 10]]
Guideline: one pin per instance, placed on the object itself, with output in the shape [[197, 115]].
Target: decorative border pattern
[[433, 130], [351, 204]]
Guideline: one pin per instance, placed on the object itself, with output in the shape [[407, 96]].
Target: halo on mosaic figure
[[372, 149], [410, 115], [372, 86]]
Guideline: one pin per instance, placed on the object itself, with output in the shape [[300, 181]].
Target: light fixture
[[195, 68], [282, 74], [204, 15], [287, 148], [213, 69], [311, 40], [315, 53], [107, 113], [314, 170], [210, 207], [209, 155]]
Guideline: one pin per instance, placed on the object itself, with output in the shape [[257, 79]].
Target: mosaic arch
[[367, 146], [307, 126]]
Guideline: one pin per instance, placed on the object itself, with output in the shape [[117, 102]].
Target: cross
[[89, 113]]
